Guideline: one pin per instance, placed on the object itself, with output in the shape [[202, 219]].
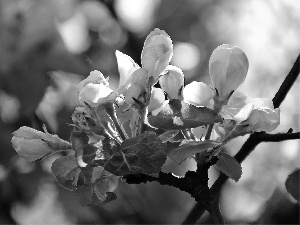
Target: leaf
[[178, 114], [168, 135], [292, 184], [66, 171], [144, 153], [228, 165], [98, 193], [32, 144], [180, 151]]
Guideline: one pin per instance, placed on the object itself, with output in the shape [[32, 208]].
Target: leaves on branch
[[144, 153], [66, 171], [178, 114], [292, 184], [98, 193], [229, 166], [96, 185], [180, 151]]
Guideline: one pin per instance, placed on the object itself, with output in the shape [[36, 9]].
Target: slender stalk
[[111, 112], [186, 134], [209, 131]]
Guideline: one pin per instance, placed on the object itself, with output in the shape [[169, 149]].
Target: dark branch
[[279, 137], [253, 141], [287, 84]]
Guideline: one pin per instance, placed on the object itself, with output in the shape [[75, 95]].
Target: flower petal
[[95, 77], [94, 94], [244, 113], [126, 66], [157, 52], [140, 77], [237, 100], [228, 66], [134, 91], [261, 102], [172, 82], [157, 99], [263, 119], [197, 93]]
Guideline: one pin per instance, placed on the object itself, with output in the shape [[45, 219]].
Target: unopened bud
[[228, 66], [172, 82]]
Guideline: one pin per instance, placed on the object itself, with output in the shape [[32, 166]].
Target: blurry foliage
[[48, 46]]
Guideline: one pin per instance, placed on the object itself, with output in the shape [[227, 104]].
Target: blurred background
[[48, 46]]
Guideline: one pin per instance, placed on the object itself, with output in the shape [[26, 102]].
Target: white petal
[[228, 66], [157, 52], [95, 77], [157, 99], [197, 93], [172, 82], [134, 91], [94, 93], [244, 113], [263, 119], [237, 100], [126, 66], [261, 102]]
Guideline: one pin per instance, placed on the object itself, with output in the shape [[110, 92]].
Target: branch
[[253, 141], [287, 84]]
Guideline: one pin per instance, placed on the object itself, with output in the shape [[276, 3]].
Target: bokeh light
[[186, 56]]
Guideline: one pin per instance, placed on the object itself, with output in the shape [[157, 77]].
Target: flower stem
[[209, 131], [111, 112], [186, 134]]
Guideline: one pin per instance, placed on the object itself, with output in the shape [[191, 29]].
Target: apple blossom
[[172, 82], [228, 66], [94, 89], [155, 58], [197, 93]]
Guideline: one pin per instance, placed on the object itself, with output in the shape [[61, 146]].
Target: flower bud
[[172, 82], [94, 94], [157, 52], [197, 93], [95, 77], [228, 66]]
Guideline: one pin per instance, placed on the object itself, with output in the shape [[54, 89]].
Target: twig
[[253, 141], [287, 84]]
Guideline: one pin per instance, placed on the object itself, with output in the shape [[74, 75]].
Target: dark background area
[[48, 46]]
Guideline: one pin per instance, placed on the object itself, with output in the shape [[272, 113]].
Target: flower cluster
[[116, 131]]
